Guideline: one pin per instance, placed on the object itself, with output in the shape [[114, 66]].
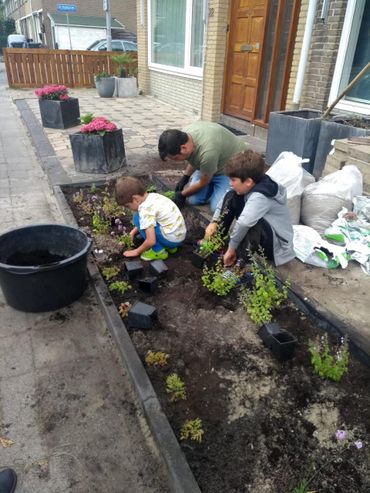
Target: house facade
[[41, 21], [237, 60]]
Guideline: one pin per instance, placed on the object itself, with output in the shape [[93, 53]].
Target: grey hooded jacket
[[267, 200]]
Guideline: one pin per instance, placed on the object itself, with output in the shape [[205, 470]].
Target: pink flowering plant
[[330, 363], [53, 92], [98, 126]]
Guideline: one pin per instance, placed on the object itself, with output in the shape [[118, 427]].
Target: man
[[206, 147]]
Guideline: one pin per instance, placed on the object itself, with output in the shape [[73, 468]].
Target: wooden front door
[[246, 34]]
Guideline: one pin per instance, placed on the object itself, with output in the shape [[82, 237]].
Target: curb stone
[[180, 476]]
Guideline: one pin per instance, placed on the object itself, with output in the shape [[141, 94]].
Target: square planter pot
[[279, 341], [158, 268], [294, 131], [141, 316], [134, 268], [330, 130], [59, 114], [148, 284], [126, 87], [198, 259], [98, 153]]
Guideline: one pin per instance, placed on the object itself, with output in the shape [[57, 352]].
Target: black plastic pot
[[158, 268], [294, 131], [59, 114], [134, 268], [148, 284], [141, 316], [43, 267], [98, 153], [198, 258], [279, 341]]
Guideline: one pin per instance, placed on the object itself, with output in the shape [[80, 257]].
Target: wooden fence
[[37, 67]]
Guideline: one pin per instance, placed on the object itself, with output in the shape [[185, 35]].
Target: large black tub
[[43, 267]]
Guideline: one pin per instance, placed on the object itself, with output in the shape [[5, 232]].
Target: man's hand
[[179, 199], [210, 230], [229, 257], [131, 253], [181, 183]]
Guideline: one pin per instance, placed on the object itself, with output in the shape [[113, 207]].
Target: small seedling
[[125, 240], [151, 189], [219, 280], [156, 358], [85, 119], [124, 308], [78, 197], [100, 225], [120, 286], [169, 194], [330, 363], [214, 243], [110, 206], [265, 294], [192, 429], [110, 272], [176, 387], [93, 188]]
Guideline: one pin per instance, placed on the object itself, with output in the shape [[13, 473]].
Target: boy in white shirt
[[156, 218]]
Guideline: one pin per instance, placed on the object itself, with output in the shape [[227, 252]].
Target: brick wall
[[178, 91], [322, 55], [142, 42], [215, 59]]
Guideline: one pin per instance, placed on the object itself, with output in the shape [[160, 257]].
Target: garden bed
[[268, 425]]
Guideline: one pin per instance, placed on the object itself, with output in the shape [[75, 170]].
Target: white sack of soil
[[287, 170], [321, 201]]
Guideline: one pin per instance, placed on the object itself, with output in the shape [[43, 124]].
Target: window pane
[[168, 32], [197, 30]]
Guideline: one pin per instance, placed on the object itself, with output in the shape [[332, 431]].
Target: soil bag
[[323, 200], [287, 170]]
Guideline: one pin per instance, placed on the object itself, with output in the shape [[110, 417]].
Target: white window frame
[[347, 46], [187, 70]]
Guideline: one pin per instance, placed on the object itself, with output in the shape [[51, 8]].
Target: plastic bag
[[321, 201], [287, 170], [361, 207]]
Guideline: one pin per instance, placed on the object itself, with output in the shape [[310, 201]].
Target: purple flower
[[341, 434], [358, 444]]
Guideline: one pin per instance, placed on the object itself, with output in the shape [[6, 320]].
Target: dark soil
[[268, 425]]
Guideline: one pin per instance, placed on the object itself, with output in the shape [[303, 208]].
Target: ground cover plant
[[245, 421]]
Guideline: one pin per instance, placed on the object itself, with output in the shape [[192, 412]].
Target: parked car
[[17, 41], [117, 45]]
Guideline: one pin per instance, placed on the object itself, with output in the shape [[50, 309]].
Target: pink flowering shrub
[[53, 92], [99, 125]]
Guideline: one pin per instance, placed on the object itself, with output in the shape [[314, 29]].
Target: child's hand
[[131, 253], [229, 257], [210, 230]]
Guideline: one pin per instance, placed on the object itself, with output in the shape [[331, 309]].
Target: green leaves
[[218, 279], [327, 362]]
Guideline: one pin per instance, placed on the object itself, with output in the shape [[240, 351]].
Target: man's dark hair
[[246, 164], [170, 142]]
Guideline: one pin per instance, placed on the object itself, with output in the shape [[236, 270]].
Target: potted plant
[[105, 84], [98, 147], [126, 83], [57, 108]]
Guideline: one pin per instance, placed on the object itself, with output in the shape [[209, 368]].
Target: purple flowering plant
[[331, 363]]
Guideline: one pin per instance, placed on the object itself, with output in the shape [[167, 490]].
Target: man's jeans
[[161, 241], [211, 193]]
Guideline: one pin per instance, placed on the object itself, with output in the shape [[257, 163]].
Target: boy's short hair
[[170, 142], [126, 188], [246, 164]]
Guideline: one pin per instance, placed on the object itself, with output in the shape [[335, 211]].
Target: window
[[176, 35], [353, 55]]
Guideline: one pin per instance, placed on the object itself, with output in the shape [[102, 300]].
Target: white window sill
[[179, 73], [353, 107]]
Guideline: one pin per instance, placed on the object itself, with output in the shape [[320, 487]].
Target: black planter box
[[148, 284], [141, 316], [294, 131], [134, 268], [98, 153], [332, 130], [59, 114], [158, 268], [279, 341], [198, 259]]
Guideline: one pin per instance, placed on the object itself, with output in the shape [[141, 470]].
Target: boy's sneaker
[[152, 255], [172, 250]]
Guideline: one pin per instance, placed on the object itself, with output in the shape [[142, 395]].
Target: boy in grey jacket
[[259, 206]]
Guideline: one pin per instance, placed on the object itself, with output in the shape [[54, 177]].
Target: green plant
[[110, 206], [170, 194], [78, 197], [302, 488], [192, 429], [125, 63], [330, 363], [85, 119], [125, 240], [120, 286], [102, 75], [214, 243], [110, 272], [151, 189], [93, 186], [100, 225], [176, 387], [218, 279], [156, 358], [265, 294]]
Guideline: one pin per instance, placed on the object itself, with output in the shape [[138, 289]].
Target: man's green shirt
[[214, 146]]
